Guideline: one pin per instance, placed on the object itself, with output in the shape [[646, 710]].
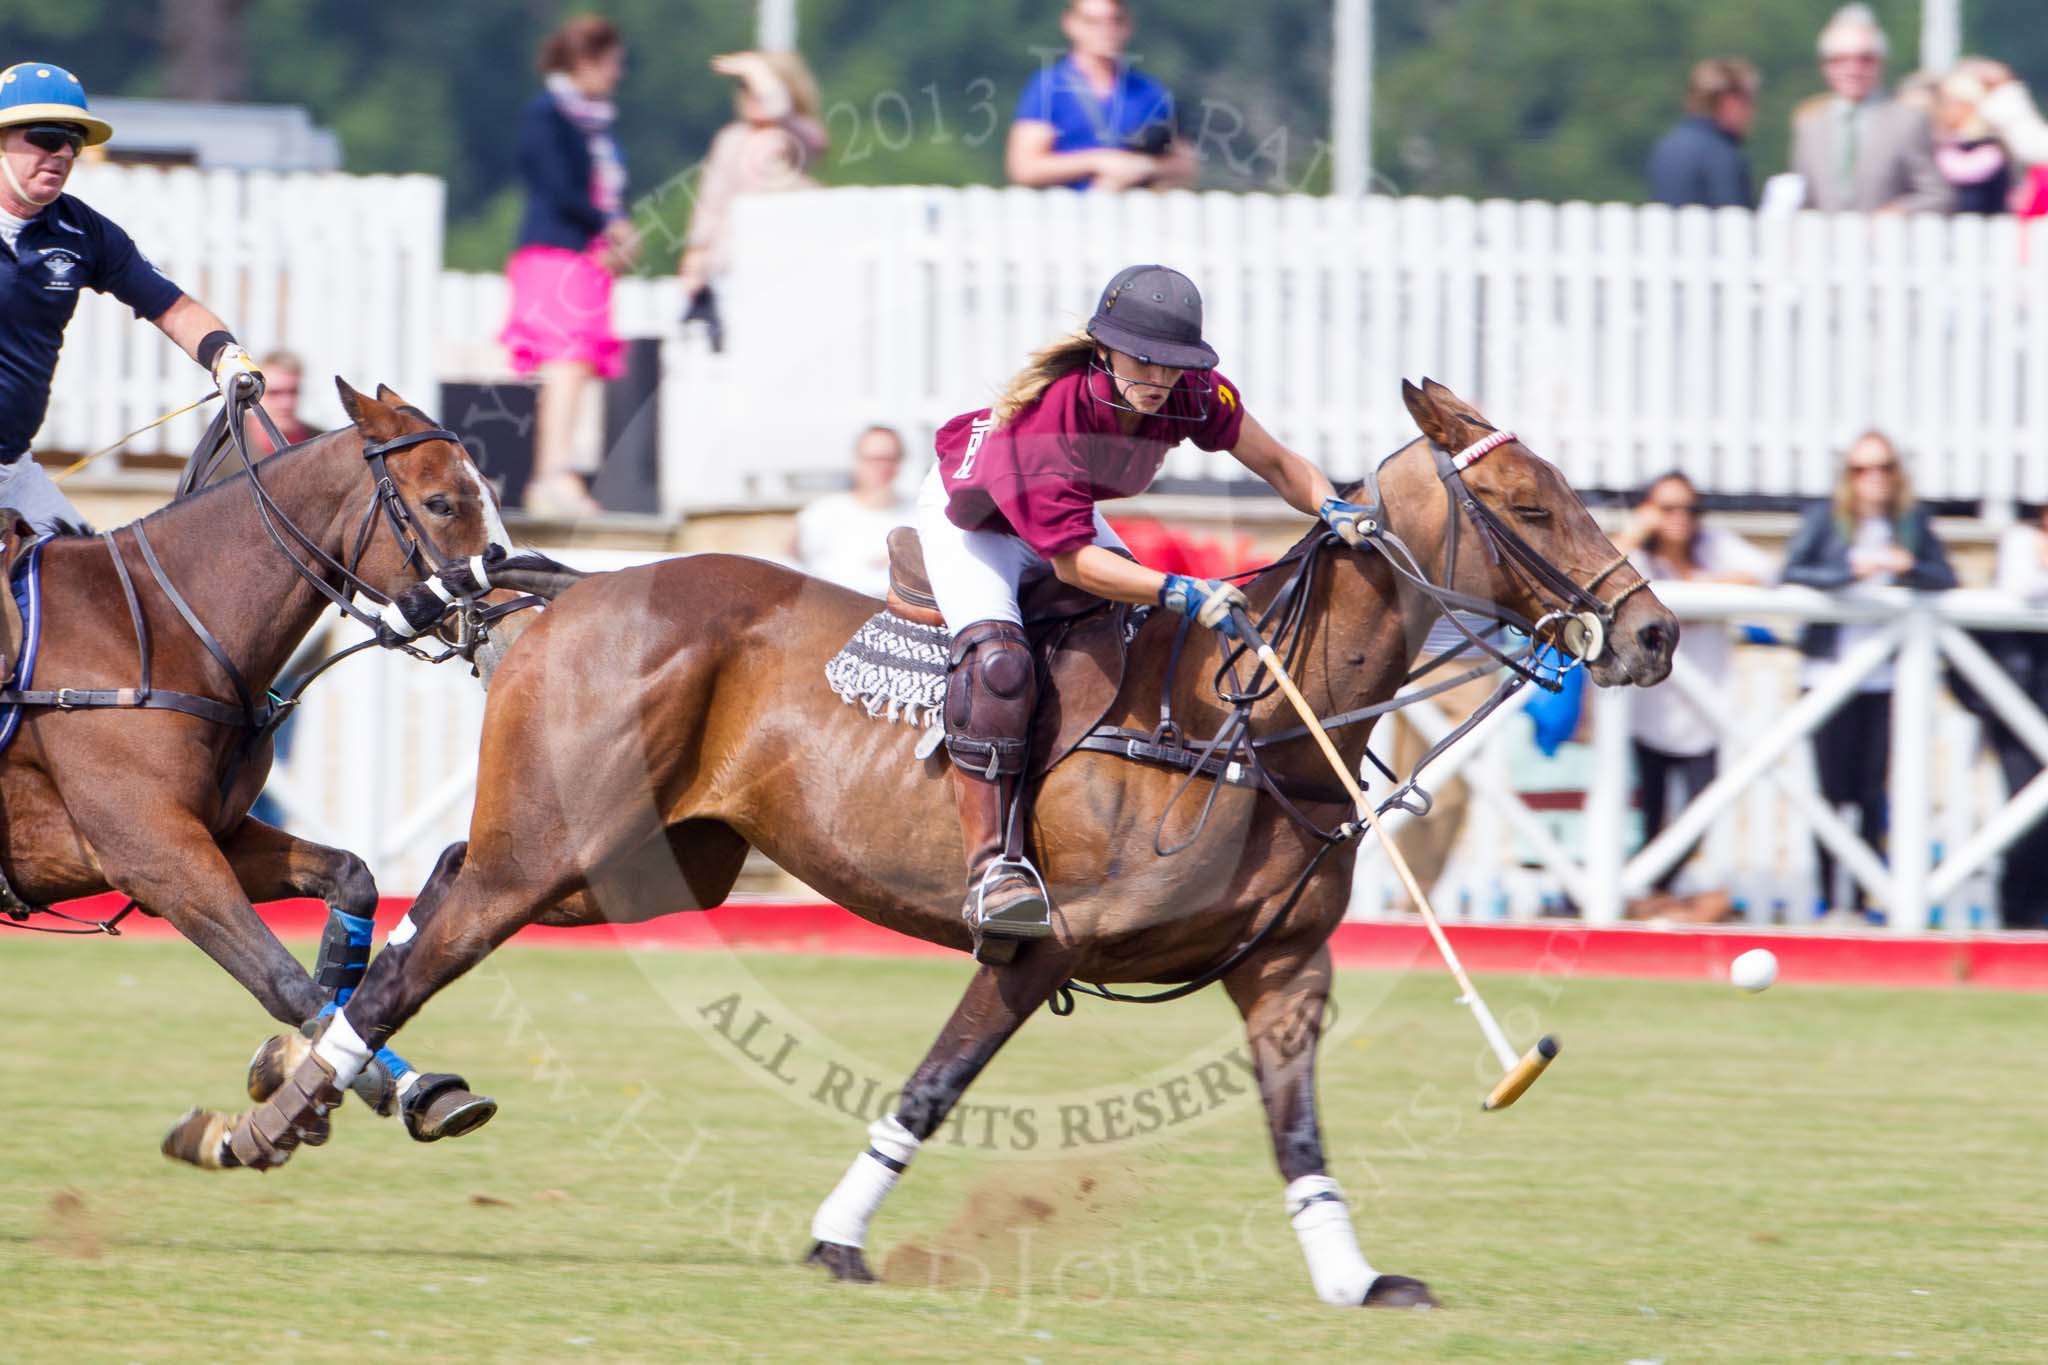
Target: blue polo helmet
[[37, 92]]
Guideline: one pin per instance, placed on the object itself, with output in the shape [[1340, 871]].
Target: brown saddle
[[15, 534], [1081, 640]]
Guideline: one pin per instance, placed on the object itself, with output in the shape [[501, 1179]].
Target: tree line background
[[1553, 100]]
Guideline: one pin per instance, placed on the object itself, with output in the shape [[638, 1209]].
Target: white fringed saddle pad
[[894, 668]]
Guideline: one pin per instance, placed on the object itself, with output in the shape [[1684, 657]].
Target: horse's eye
[[1533, 513], [439, 505]]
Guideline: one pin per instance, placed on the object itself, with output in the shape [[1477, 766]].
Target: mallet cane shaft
[[1521, 1073]]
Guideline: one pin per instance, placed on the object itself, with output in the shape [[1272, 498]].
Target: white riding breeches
[[976, 575]]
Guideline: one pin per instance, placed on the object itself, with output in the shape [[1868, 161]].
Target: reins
[[1235, 756]]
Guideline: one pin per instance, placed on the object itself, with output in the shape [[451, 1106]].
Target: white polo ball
[[1755, 970]]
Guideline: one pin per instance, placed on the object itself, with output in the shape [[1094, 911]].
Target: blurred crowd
[[1965, 141]]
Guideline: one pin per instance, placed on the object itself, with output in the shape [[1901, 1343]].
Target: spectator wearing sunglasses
[[1857, 149], [51, 246], [1676, 747], [1871, 531]]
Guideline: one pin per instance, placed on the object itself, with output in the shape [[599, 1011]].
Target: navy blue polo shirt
[[1060, 95], [64, 248]]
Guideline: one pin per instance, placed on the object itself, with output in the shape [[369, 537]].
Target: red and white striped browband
[[1480, 449]]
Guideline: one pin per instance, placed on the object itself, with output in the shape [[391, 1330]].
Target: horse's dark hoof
[[1398, 1291], [440, 1106], [845, 1262]]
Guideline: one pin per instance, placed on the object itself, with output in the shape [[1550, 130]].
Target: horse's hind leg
[[997, 1002], [272, 864], [1282, 995]]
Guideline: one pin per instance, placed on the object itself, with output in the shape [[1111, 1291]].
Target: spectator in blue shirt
[[1701, 161], [51, 245], [1091, 120]]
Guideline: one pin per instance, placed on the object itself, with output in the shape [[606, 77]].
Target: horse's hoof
[[276, 1059], [1399, 1291], [439, 1106], [197, 1139], [375, 1086], [846, 1263]]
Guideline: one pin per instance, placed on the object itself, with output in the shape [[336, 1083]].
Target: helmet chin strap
[[14, 183]]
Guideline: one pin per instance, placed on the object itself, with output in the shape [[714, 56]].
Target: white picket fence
[[1620, 341], [342, 269]]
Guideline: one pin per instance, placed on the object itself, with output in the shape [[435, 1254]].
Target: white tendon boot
[[842, 1220], [1335, 1264]]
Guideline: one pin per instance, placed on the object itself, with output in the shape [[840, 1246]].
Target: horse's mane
[[1348, 492]]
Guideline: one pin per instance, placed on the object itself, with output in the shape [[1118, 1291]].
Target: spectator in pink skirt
[[573, 239]]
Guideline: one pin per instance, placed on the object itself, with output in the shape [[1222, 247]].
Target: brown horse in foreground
[[154, 803], [654, 723]]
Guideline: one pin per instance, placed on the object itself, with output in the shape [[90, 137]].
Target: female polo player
[[1013, 497]]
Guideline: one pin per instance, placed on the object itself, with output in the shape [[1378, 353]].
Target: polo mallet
[[1520, 1073]]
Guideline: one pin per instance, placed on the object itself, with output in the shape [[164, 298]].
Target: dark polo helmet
[[1153, 313]]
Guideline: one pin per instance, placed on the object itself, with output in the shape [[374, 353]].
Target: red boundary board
[[2017, 961]]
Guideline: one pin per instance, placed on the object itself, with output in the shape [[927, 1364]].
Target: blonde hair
[[1070, 353], [1902, 487], [795, 75]]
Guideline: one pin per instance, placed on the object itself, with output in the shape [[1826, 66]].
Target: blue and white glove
[[1207, 600], [1347, 519]]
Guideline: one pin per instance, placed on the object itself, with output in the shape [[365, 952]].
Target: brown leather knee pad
[[991, 691]]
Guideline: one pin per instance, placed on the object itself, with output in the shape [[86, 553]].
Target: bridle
[[1578, 624], [1582, 621], [457, 585]]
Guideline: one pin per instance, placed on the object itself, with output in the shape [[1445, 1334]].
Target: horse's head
[[438, 507], [1524, 503]]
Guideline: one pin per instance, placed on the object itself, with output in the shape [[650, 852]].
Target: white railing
[[342, 269], [1949, 815], [1620, 340]]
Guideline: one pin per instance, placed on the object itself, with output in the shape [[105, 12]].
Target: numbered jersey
[[1039, 476]]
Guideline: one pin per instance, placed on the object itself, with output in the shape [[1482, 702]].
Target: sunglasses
[[1689, 508], [54, 137], [1886, 468], [1859, 58]]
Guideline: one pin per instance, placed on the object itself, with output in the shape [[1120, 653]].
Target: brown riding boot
[[991, 692]]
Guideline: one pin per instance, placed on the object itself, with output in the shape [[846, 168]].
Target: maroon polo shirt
[[1039, 477]]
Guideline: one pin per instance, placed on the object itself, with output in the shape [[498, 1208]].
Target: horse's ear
[[387, 394], [1422, 406], [377, 420], [1450, 405]]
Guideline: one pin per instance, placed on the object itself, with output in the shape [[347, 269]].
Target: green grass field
[[1811, 1174]]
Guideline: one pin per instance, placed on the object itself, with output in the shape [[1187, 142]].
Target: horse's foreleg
[[183, 876], [997, 1002], [272, 864], [1282, 997], [478, 913]]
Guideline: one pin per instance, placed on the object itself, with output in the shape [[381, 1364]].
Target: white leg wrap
[[401, 932], [843, 1217], [1335, 1264], [342, 1048]]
